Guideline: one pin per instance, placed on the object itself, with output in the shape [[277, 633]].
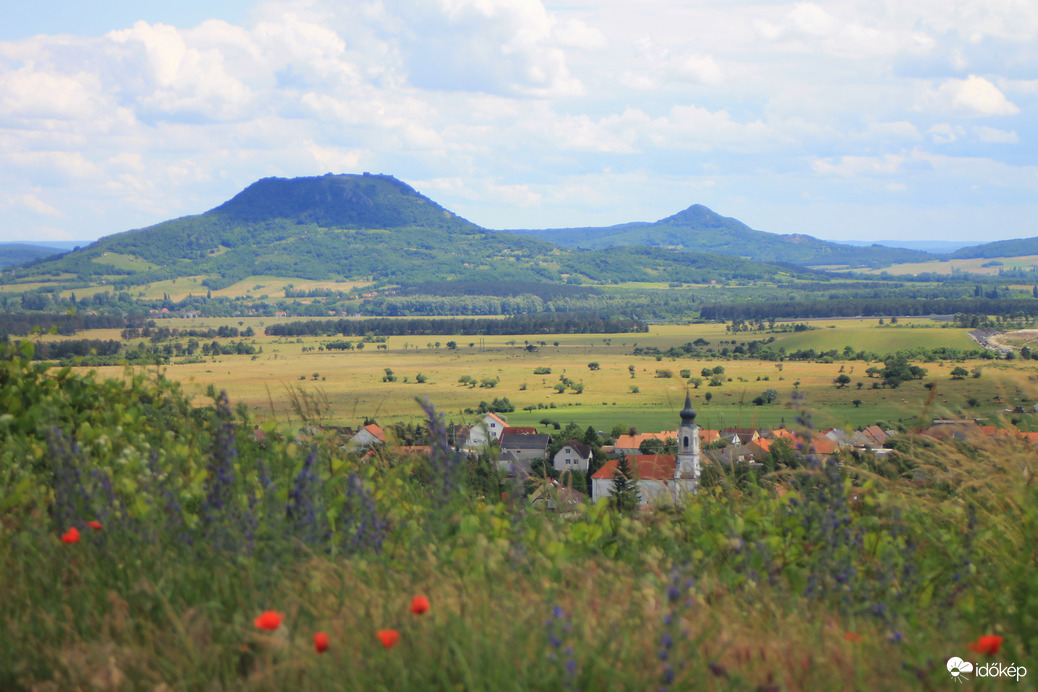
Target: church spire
[[688, 414], [688, 466]]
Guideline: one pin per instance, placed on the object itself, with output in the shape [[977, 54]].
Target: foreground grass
[[868, 575]]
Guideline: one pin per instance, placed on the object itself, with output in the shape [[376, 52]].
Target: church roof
[[688, 414], [645, 467]]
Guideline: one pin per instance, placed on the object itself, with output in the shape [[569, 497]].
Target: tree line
[[546, 323], [805, 309]]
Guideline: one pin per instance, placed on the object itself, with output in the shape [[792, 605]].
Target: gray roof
[[512, 441], [580, 449]]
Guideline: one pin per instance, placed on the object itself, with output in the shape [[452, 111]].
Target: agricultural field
[[609, 385], [979, 265]]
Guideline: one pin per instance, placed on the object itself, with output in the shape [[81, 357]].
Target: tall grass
[[865, 575]]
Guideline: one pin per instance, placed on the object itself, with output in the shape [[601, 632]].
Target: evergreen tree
[[625, 495]]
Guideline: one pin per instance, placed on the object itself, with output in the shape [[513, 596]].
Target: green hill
[[698, 229], [12, 254], [370, 227], [1018, 247]]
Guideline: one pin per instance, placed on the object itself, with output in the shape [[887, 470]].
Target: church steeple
[[688, 414], [688, 466]]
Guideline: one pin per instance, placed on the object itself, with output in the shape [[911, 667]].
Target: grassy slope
[[860, 576]]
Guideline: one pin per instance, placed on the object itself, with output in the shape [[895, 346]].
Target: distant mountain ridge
[[13, 254], [372, 228], [378, 229], [700, 229], [1018, 247]]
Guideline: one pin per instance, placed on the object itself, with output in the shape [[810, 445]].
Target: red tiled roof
[[376, 431], [635, 441], [645, 467], [708, 436], [519, 431], [499, 419]]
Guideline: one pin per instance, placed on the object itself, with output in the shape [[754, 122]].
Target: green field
[[351, 382], [124, 262]]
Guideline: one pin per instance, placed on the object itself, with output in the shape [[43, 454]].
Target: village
[[666, 466]]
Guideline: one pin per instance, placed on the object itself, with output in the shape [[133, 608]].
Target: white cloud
[[943, 133], [807, 27], [993, 135], [31, 202], [900, 130], [33, 93], [503, 47], [854, 166], [974, 95]]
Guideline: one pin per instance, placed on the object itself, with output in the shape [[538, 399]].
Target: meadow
[[978, 265], [152, 542], [622, 389]]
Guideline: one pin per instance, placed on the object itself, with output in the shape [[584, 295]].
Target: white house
[[572, 456], [486, 431], [368, 436]]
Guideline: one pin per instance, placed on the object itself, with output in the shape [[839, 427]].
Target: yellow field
[[974, 266], [351, 381]]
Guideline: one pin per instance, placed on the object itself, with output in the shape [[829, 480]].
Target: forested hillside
[[367, 227], [698, 229]]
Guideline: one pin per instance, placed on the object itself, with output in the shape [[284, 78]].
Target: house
[[488, 430], [870, 436], [572, 455], [520, 450], [368, 436], [554, 497], [750, 453], [707, 437], [631, 444], [739, 436]]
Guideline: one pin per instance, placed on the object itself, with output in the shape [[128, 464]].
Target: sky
[[843, 119]]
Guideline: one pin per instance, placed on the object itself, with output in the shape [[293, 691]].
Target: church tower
[[688, 466]]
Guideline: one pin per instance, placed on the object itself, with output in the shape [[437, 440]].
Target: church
[[661, 478]]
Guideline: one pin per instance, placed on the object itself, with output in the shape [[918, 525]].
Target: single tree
[[625, 495]]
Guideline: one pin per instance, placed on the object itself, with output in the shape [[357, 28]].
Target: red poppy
[[268, 620], [389, 638], [321, 641], [70, 536], [95, 525], [989, 644], [419, 604], [852, 637]]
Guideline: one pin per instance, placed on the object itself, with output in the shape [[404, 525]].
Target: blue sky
[[845, 120]]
